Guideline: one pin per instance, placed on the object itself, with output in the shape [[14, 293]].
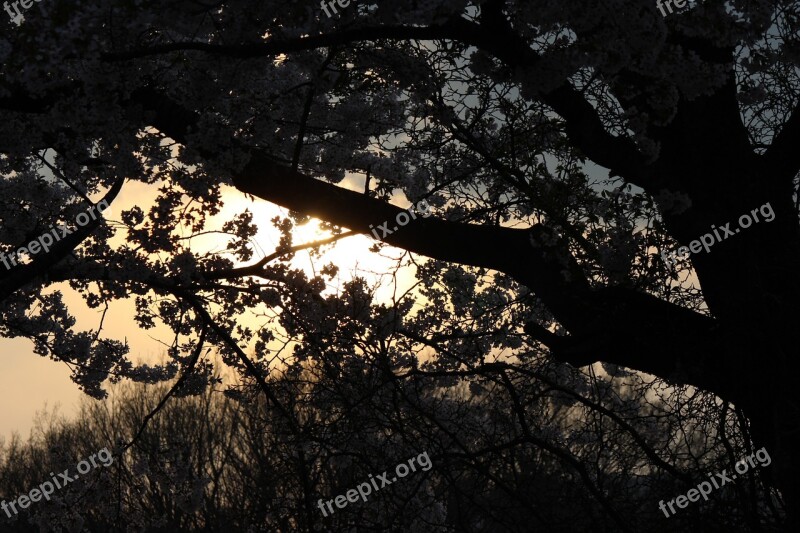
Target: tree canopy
[[565, 150]]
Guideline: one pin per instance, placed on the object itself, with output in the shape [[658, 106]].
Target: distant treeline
[[220, 462]]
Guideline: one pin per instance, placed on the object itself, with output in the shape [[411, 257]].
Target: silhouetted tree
[[564, 147]]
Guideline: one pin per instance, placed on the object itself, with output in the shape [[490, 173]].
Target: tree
[[213, 463], [503, 116]]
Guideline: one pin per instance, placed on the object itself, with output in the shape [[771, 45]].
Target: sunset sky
[[31, 383]]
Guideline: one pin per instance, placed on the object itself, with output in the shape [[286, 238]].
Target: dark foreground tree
[[567, 148], [214, 463]]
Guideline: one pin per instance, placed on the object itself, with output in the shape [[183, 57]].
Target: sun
[[352, 254]]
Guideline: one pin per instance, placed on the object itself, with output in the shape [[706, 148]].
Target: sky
[[30, 383]]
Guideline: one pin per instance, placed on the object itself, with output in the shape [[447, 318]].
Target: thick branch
[[603, 324], [24, 274], [555, 277]]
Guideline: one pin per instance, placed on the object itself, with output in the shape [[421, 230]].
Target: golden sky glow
[[29, 382]]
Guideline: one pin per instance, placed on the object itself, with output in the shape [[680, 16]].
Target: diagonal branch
[[554, 276], [257, 268], [251, 367], [24, 274], [178, 384], [601, 322]]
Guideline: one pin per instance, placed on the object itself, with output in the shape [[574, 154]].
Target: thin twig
[[178, 384]]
